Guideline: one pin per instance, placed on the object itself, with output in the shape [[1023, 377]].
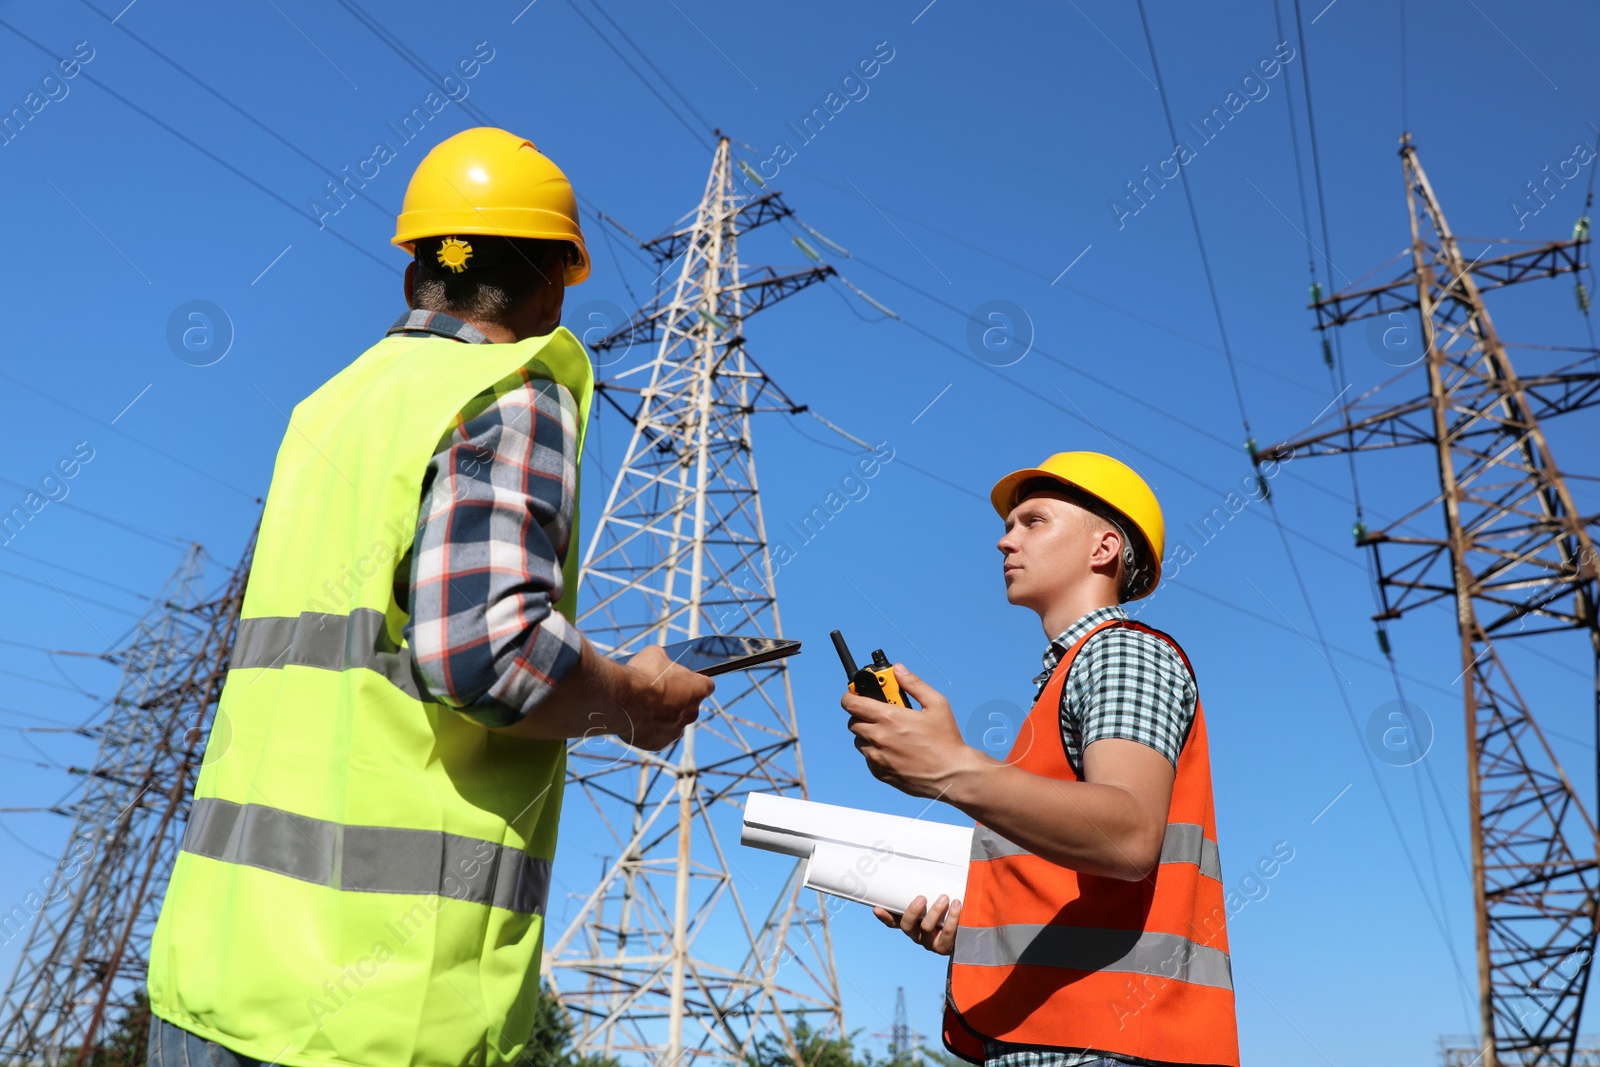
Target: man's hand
[[933, 928], [661, 699], [646, 702], [916, 751]]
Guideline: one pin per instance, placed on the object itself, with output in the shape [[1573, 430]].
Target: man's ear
[[410, 284], [1107, 549]]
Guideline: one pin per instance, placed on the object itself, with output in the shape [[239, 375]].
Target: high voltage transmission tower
[[1516, 562], [669, 956], [82, 968]]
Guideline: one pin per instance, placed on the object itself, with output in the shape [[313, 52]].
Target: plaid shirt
[[492, 532], [1125, 684]]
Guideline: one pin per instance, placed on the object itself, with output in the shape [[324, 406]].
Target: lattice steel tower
[[1516, 562], [668, 956], [83, 965]]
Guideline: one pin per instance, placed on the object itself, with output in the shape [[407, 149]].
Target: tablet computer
[[720, 653]]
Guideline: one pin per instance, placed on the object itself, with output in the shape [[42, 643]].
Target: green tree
[[940, 1058], [124, 1037], [816, 1049], [550, 1043]]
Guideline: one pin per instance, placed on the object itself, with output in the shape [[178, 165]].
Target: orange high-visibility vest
[[1050, 958]]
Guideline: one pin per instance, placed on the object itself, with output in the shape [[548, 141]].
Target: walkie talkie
[[876, 680]]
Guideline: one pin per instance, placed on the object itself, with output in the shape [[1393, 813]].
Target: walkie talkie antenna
[[845, 658]]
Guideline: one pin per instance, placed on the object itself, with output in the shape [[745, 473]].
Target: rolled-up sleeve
[[492, 532], [1130, 685]]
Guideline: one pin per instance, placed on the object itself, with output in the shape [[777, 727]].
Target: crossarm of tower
[[1362, 426], [1400, 294], [752, 214], [761, 288]]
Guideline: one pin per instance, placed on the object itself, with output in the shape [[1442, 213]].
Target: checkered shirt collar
[[418, 322], [1069, 637]]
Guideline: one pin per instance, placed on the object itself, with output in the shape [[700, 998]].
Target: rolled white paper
[[864, 856], [883, 878]]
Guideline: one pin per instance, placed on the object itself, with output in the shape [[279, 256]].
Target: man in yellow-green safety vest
[[365, 869]]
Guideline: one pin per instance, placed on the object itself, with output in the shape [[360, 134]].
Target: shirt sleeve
[[1135, 688], [492, 532]]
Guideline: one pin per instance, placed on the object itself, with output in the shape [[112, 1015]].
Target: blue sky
[[979, 164]]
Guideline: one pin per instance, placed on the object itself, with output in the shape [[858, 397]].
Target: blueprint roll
[[882, 878], [865, 856]]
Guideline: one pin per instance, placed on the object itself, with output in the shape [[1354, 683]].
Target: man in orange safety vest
[[1093, 930]]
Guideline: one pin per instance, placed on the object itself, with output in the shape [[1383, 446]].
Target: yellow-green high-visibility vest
[[363, 877]]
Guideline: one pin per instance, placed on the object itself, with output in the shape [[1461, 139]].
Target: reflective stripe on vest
[[368, 859], [332, 642], [1075, 948], [1049, 959], [346, 828], [1185, 842]]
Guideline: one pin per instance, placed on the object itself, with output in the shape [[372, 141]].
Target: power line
[[47, 585], [701, 141], [659, 72], [81, 574], [147, 535], [125, 435], [268, 130], [1077, 415], [241, 175], [411, 58], [1041, 277], [1272, 507], [1194, 217]]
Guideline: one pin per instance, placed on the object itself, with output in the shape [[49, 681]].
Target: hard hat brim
[[1004, 498], [1004, 494], [534, 223]]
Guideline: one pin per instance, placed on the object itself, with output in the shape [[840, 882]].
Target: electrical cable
[[659, 73], [185, 464], [53, 685], [48, 585], [1339, 381], [611, 245], [32, 715], [49, 651], [410, 57], [224, 164], [1194, 217], [268, 130], [9, 833], [898, 462], [642, 79], [1031, 273], [1405, 74], [1272, 507], [913, 287], [157, 538], [93, 578]]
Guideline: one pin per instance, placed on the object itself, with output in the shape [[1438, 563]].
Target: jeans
[[173, 1046]]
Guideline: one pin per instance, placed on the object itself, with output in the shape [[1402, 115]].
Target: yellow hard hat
[[491, 181], [1111, 481]]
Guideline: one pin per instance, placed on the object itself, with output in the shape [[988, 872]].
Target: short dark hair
[[1134, 578], [500, 273]]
